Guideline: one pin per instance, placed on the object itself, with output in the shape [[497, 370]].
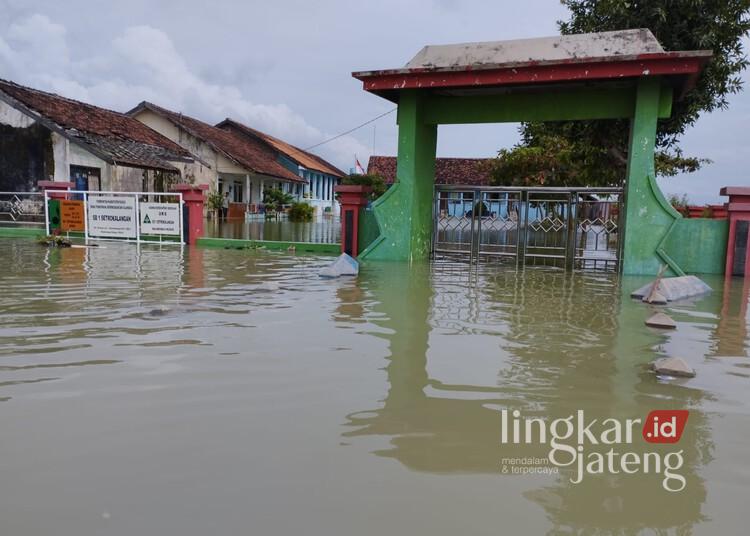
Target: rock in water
[[343, 265], [672, 366], [655, 298], [675, 288], [660, 320]]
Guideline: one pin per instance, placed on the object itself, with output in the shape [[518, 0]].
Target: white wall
[[197, 172], [13, 118]]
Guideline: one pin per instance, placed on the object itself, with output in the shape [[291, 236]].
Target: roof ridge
[[224, 142], [270, 139]]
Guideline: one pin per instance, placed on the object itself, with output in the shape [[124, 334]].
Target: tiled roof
[[469, 171], [113, 136], [250, 154], [303, 158]]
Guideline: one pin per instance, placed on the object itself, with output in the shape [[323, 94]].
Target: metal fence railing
[[22, 209], [573, 228]]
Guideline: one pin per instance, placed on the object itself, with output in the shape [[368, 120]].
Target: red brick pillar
[[351, 198], [56, 189], [738, 243], [194, 198]]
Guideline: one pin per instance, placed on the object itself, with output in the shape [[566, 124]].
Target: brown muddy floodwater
[[148, 390]]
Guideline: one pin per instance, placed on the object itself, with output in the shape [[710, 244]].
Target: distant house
[[465, 171], [48, 137], [238, 165], [320, 176]]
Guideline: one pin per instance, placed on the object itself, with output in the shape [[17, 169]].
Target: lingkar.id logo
[[569, 439]]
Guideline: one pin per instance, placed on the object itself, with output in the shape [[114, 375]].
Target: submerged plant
[[54, 241]]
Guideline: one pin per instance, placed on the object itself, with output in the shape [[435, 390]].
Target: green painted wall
[[369, 231], [554, 105], [404, 213], [648, 215], [271, 245], [697, 245], [23, 232]]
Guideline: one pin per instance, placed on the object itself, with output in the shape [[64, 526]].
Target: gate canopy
[[481, 68], [608, 75]]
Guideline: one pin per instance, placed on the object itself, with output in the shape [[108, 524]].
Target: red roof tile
[[468, 171], [115, 136], [250, 154], [301, 157]]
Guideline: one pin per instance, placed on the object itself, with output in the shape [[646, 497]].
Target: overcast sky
[[285, 67]]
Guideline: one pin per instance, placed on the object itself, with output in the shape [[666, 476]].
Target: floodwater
[[324, 229], [154, 390]]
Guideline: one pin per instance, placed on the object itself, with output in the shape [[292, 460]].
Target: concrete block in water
[[343, 265], [672, 366], [655, 298], [675, 288], [660, 320]]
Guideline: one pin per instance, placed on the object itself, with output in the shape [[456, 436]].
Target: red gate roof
[[600, 56]]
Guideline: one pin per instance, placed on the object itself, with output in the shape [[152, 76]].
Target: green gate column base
[[404, 213], [648, 215]]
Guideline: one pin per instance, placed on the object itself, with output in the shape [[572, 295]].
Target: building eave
[[54, 127], [388, 83]]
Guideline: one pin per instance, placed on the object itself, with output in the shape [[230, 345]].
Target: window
[[237, 194]]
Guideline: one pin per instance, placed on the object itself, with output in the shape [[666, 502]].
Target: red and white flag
[[358, 167]]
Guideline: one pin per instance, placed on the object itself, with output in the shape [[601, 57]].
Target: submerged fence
[[573, 228]]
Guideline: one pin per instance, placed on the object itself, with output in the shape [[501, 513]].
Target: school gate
[[572, 228], [608, 75]]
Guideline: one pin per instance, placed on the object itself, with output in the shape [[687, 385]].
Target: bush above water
[[301, 212]]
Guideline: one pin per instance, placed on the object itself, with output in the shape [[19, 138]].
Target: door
[[85, 178]]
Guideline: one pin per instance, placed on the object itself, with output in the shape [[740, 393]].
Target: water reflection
[[322, 230], [464, 345], [152, 381]]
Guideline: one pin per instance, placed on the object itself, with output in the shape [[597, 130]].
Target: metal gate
[[572, 228]]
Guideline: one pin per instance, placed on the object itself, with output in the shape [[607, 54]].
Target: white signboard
[[160, 218], [111, 216]]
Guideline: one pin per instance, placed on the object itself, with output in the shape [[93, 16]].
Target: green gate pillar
[[648, 215], [404, 213]]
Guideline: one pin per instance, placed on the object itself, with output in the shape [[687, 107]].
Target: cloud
[[142, 63]]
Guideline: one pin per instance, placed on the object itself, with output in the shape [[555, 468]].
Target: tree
[[594, 153], [274, 199], [371, 179]]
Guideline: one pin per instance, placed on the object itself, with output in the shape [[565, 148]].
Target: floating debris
[[343, 265], [54, 241]]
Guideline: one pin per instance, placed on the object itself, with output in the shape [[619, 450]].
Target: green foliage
[[375, 181], [274, 199], [680, 204], [214, 200], [594, 153], [301, 212]]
